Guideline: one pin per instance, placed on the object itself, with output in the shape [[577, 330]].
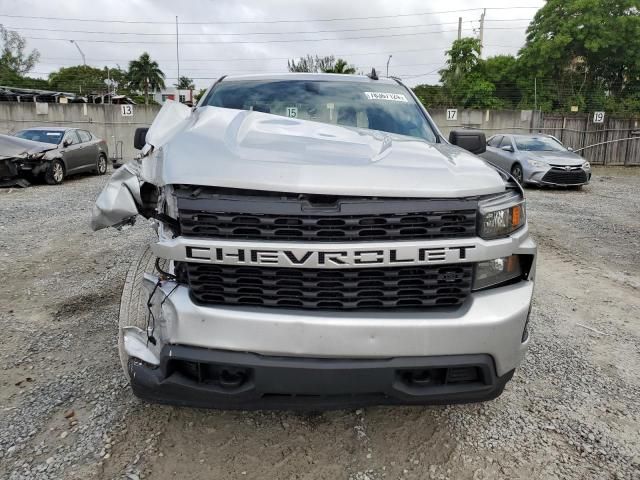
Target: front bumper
[[490, 322], [196, 377], [539, 176], [332, 346]]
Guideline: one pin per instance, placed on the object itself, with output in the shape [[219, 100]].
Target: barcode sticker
[[393, 97]]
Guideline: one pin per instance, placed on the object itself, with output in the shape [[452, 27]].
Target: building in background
[[182, 96]]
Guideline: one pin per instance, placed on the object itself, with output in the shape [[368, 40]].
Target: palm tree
[[185, 83], [341, 66], [145, 73]]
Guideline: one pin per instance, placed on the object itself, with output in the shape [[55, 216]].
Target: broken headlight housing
[[496, 272], [501, 216]]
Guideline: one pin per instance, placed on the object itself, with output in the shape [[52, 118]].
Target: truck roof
[[334, 77]]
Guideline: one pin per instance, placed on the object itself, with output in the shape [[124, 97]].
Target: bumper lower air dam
[[196, 377]]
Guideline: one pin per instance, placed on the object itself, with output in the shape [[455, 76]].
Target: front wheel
[[101, 166], [54, 174], [134, 311], [517, 173]]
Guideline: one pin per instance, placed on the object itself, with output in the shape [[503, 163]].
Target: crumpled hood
[[17, 147], [252, 150], [557, 158]]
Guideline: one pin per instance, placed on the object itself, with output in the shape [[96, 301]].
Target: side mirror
[[570, 149], [507, 148], [140, 138], [66, 142], [471, 140]]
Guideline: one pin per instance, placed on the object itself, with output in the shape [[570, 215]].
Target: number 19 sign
[[598, 117]]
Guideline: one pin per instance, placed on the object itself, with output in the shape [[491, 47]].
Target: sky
[[226, 37]]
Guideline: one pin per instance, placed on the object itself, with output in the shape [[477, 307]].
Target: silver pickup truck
[[320, 244]]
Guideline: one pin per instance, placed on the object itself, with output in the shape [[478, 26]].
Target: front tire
[[517, 173], [54, 175], [101, 165], [133, 303]]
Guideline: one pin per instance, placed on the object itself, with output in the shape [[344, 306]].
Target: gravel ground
[[572, 410]]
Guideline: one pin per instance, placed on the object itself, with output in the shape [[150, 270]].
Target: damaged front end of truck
[[301, 263], [137, 188]]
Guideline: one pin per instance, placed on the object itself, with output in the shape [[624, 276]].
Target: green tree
[[13, 57], [463, 59], [185, 83], [584, 51], [464, 80], [327, 64], [198, 96], [503, 72], [118, 76], [305, 64], [145, 74], [341, 66], [81, 79], [431, 96]]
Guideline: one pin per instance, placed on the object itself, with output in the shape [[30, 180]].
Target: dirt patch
[[81, 304]]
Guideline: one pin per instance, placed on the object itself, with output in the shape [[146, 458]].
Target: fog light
[[496, 272]]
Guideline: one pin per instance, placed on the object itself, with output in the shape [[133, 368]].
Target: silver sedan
[[537, 159]]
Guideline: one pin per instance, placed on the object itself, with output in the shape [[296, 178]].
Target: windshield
[[384, 107], [46, 136], [539, 144]]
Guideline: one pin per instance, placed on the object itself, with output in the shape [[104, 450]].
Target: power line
[[268, 41], [229, 71], [256, 59], [235, 33], [305, 20]]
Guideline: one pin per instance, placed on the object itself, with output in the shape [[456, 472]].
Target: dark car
[[55, 152]]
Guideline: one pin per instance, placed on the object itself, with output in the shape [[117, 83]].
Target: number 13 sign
[[126, 110]]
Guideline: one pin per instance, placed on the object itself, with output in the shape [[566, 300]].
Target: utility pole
[[484, 12], [459, 28], [84, 61], [177, 54], [388, 60]]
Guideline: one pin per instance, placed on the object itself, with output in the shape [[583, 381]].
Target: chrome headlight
[[497, 271], [537, 163], [500, 216]]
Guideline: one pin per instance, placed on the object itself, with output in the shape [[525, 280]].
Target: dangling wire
[[167, 275], [150, 337]]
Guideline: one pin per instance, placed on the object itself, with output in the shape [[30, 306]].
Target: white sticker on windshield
[[393, 97], [53, 134]]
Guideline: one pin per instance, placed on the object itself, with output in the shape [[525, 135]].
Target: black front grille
[[306, 288], [561, 176], [322, 218]]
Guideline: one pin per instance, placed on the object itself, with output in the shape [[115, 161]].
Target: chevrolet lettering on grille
[[303, 258]]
